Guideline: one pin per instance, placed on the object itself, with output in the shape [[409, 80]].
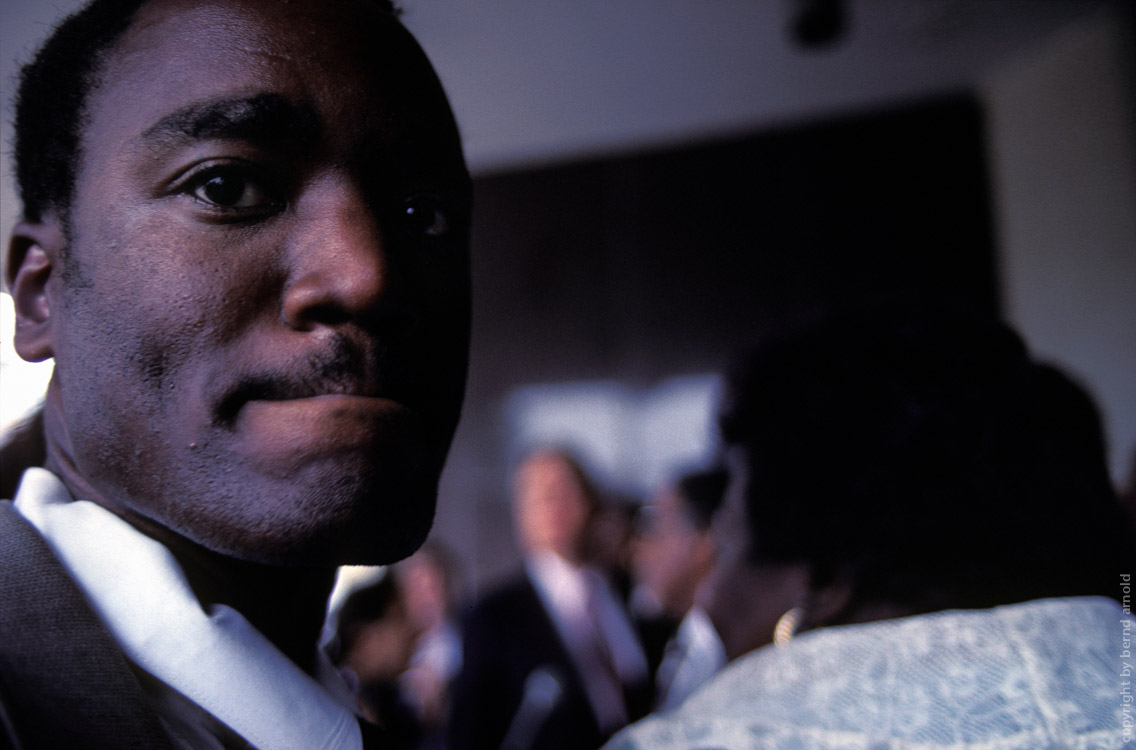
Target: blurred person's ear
[[830, 600]]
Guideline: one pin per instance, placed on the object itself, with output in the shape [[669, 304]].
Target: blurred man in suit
[[550, 659]]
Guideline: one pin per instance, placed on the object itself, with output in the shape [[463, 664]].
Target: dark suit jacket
[[64, 683], [507, 635]]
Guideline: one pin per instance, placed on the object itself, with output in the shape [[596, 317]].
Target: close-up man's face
[[261, 328]]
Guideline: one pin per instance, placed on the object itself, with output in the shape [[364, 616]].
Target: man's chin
[[387, 528], [361, 544], [384, 547], [371, 520]]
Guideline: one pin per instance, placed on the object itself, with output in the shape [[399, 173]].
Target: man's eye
[[426, 217], [230, 189]]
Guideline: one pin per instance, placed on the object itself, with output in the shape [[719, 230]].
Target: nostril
[[329, 315]]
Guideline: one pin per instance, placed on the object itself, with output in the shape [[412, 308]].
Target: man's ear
[[34, 253]]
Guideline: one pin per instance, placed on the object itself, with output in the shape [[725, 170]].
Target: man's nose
[[339, 263]]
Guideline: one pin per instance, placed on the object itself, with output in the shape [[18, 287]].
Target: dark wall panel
[[650, 265]]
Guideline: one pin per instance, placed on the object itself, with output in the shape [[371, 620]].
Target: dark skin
[[259, 306]]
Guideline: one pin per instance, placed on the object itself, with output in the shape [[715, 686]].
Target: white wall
[[554, 79], [1062, 125]]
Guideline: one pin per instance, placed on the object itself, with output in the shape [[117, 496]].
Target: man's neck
[[286, 604]]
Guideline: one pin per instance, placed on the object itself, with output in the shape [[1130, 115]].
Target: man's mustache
[[341, 367]]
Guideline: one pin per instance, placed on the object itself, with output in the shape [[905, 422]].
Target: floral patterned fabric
[[1036, 676]]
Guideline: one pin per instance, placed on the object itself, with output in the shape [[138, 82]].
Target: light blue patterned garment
[[1042, 675]]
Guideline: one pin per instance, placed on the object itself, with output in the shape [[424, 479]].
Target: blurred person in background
[[920, 547], [375, 637], [611, 537], [550, 659], [674, 555], [428, 580]]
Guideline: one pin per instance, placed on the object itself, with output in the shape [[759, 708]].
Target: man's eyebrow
[[263, 117]]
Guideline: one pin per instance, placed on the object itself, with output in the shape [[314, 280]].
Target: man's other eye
[[425, 216], [230, 188]]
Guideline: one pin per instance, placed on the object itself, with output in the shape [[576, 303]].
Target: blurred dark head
[[675, 551], [364, 606], [700, 494], [927, 459]]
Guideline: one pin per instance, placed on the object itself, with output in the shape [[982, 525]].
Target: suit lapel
[[64, 682]]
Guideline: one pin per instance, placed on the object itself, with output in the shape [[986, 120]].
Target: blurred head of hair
[[926, 456]]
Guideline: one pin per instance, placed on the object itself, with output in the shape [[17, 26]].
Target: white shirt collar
[[561, 584], [691, 659], [566, 589], [213, 657]]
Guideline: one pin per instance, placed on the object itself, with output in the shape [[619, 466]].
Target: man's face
[[261, 336]]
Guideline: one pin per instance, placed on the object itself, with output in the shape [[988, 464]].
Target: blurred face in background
[[745, 598], [552, 510], [672, 556]]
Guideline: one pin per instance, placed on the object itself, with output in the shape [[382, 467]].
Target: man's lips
[[295, 431], [345, 367], [296, 390], [289, 390]]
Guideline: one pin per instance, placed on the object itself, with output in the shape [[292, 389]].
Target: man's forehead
[[149, 10], [200, 69], [207, 36], [277, 122], [257, 117]]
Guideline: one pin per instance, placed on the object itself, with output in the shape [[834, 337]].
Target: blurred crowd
[[603, 613], [883, 480]]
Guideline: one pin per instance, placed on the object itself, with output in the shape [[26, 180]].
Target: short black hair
[[51, 102], [52, 97], [926, 452]]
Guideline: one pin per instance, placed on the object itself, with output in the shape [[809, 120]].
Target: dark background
[[651, 265]]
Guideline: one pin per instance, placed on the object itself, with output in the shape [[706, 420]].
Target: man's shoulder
[[57, 659], [23, 550], [35, 588]]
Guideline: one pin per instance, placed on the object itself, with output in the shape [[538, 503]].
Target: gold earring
[[787, 625]]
